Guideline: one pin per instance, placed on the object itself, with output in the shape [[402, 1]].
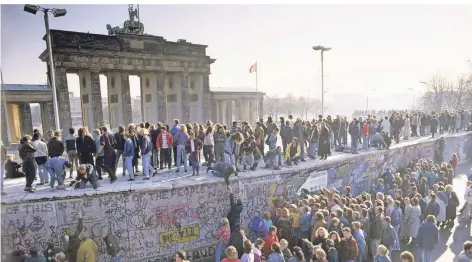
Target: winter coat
[[128, 149], [272, 141], [55, 147], [432, 208], [146, 145], [433, 125], [388, 236], [270, 127], [332, 255], [376, 227], [349, 250], [411, 221], [88, 251], [26, 152], [236, 240], [324, 146], [85, 145], [259, 135], [56, 165], [286, 132], [428, 236], [120, 141], [276, 257], [464, 257], [298, 132], [385, 126], [407, 130], [452, 203], [234, 215]]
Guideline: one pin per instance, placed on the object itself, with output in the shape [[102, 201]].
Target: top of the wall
[[174, 181]]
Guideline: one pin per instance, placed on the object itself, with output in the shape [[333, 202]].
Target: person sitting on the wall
[[271, 158], [86, 173], [234, 215], [12, 168], [56, 167], [222, 169], [292, 153]]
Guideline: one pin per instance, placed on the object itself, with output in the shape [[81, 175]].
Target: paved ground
[[450, 241], [167, 179]]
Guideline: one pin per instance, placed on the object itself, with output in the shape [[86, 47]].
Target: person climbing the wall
[[73, 241], [234, 215], [222, 169]]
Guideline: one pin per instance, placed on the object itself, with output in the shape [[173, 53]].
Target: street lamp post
[[322, 49], [413, 102], [33, 9], [367, 99]]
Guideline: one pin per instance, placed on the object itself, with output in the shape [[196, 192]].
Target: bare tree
[[437, 92]]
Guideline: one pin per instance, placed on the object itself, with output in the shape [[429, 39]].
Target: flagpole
[[257, 96]]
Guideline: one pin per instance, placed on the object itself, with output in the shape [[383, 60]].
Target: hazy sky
[[387, 47]]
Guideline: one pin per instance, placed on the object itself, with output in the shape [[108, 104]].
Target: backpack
[[257, 225], [113, 246], [396, 216]]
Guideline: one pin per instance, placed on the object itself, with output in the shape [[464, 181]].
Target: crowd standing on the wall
[[330, 224]]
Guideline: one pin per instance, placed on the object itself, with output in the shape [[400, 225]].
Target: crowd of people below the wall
[[403, 213], [225, 150]]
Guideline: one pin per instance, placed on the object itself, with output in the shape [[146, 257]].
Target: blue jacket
[[276, 257], [382, 259], [359, 236], [428, 236], [55, 165], [272, 141], [174, 130], [146, 145], [98, 150], [379, 188], [305, 220], [128, 150]]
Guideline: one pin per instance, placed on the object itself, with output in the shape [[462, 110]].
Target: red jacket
[[268, 243], [170, 140], [365, 130]]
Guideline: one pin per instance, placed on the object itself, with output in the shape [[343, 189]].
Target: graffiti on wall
[[152, 226]]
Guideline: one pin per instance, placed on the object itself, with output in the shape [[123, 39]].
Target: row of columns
[[120, 98], [17, 120], [228, 111]]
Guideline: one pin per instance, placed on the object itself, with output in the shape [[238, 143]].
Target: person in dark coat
[[324, 147], [85, 147], [286, 132], [234, 215], [427, 238], [120, 146], [237, 239], [73, 241], [12, 168], [452, 204], [55, 145], [26, 151], [433, 123], [107, 141]]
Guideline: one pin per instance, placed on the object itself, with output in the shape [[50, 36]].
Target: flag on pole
[[253, 68]]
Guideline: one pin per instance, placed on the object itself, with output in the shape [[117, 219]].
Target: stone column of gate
[[26, 122], [96, 98], [47, 117], [245, 108], [252, 113], [207, 114], [63, 102], [126, 99], [161, 98], [221, 111], [184, 98], [229, 113], [239, 111], [4, 122]]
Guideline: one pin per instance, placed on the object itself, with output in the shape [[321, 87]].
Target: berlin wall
[[152, 225]]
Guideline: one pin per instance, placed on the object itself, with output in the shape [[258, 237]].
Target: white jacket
[[41, 148], [468, 195], [385, 125]]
